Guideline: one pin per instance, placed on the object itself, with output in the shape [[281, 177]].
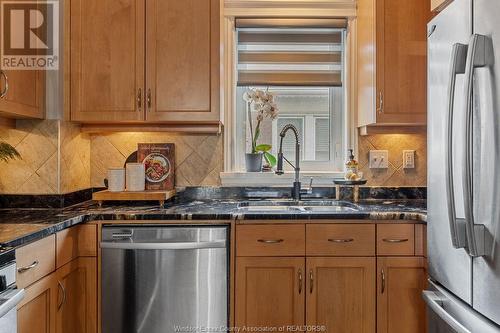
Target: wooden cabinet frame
[[138, 110]]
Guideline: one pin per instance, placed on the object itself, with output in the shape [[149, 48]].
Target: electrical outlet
[[408, 159], [379, 159]]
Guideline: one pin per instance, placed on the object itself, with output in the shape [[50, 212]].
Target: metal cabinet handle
[[391, 240], [382, 275], [300, 281], [148, 99], [27, 268], [380, 102], [345, 240], [476, 57], [270, 241], [61, 287], [311, 281], [139, 99], [6, 80], [457, 66]]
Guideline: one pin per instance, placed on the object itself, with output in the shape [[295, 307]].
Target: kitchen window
[[304, 67]]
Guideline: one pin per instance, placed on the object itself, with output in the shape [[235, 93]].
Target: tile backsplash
[[395, 175], [55, 158], [198, 158]]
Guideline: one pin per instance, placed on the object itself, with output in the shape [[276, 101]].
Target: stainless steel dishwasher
[[159, 278]]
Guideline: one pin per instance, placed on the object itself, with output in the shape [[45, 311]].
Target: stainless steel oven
[[10, 296], [164, 278]]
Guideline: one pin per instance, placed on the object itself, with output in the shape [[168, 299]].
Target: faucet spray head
[[279, 166]]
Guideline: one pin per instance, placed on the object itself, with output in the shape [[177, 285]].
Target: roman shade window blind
[[290, 52]]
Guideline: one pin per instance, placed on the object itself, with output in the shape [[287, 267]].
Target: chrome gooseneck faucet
[[296, 193]]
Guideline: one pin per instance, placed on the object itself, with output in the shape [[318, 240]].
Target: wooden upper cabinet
[[145, 62], [25, 95], [269, 291], [392, 62], [107, 60], [400, 307], [182, 60], [341, 294]]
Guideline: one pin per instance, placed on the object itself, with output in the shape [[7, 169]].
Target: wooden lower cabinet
[[63, 302], [37, 311], [77, 304], [400, 308], [341, 294], [270, 291]]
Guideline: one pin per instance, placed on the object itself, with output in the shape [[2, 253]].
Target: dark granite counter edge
[[52, 229]]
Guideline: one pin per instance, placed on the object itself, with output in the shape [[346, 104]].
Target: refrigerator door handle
[[457, 226], [435, 303], [476, 58]]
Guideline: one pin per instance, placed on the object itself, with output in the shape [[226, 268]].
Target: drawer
[[340, 240], [396, 239], [74, 242], [270, 240], [35, 261]]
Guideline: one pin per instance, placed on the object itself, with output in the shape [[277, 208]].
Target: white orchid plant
[[262, 102]]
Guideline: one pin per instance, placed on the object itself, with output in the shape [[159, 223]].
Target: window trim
[[264, 8]]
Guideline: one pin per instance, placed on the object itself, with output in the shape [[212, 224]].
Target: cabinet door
[[37, 311], [269, 291], [25, 97], [77, 298], [183, 60], [400, 308], [107, 60], [401, 27], [341, 294]]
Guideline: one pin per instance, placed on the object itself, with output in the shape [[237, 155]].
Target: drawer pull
[[389, 240], [345, 240], [271, 241], [27, 268]]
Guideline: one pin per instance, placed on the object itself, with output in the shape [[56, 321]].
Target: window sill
[[259, 179]]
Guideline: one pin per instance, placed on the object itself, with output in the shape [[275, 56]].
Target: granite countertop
[[20, 226]]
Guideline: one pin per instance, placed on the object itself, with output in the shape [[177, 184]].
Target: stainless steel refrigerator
[[463, 169]]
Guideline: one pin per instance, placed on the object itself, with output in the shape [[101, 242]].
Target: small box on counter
[[159, 164]]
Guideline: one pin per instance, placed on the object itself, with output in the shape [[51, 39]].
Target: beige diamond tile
[[13, 175], [193, 141], [194, 169], [48, 171], [36, 185], [377, 177], [36, 149], [104, 156]]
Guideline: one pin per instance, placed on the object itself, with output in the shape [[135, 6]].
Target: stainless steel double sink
[[291, 206]]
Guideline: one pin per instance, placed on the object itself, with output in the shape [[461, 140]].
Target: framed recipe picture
[[159, 165]]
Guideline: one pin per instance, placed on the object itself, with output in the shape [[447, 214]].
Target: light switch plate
[[379, 159], [408, 159]]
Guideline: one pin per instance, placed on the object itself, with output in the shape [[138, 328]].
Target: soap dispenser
[[351, 167]]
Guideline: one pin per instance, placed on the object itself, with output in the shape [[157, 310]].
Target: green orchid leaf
[[271, 159], [263, 147]]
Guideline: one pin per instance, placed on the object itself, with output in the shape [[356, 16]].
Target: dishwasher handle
[[219, 244], [12, 299]]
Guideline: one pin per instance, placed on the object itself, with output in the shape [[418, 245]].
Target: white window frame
[[283, 8]]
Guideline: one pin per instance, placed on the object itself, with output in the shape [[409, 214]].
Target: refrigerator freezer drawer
[[448, 314]]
